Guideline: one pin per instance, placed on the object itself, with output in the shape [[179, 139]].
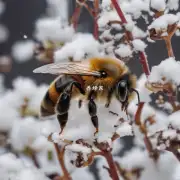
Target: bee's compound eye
[[103, 74], [122, 90]]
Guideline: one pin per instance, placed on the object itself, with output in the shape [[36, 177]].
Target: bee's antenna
[[137, 94]]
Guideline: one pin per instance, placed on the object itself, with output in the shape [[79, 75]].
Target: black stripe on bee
[[62, 83], [45, 112], [48, 100]]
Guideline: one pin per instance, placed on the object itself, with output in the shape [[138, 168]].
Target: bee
[[74, 79]]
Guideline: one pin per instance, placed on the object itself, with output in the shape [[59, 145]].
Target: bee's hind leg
[[64, 104], [93, 113]]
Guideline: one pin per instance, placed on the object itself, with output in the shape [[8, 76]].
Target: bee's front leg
[[93, 113], [63, 104]]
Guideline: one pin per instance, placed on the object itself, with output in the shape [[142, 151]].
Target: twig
[[60, 154], [106, 152], [75, 16], [153, 153], [143, 59], [112, 167], [96, 10], [169, 46]]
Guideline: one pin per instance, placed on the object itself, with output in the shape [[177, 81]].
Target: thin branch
[[153, 153], [60, 154], [75, 16], [169, 46], [143, 59], [96, 11], [112, 166]]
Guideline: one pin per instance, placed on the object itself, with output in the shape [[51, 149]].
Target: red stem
[[75, 16], [143, 59], [119, 11], [112, 166], [96, 10]]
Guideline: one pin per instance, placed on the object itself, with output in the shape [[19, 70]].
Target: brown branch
[[169, 46], [153, 153], [143, 59], [106, 152], [60, 154], [112, 167]]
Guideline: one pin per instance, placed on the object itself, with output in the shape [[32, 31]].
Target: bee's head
[[125, 86]]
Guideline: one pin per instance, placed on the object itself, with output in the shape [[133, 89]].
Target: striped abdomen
[[51, 97]]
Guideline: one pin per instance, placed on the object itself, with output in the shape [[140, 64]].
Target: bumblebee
[[73, 82]]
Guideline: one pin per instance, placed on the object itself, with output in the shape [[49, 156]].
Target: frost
[[23, 51]]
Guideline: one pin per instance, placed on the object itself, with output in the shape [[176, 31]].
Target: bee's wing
[[71, 68]]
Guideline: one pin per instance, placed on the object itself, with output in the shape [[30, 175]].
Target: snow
[[134, 7], [124, 130], [23, 51], [163, 21], [82, 173], [80, 45], [174, 120], [58, 8], [169, 69], [173, 4], [176, 175], [32, 131], [53, 29], [129, 26], [31, 174], [169, 134], [138, 33], [10, 162], [124, 50], [139, 45], [78, 148], [159, 5], [106, 17]]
